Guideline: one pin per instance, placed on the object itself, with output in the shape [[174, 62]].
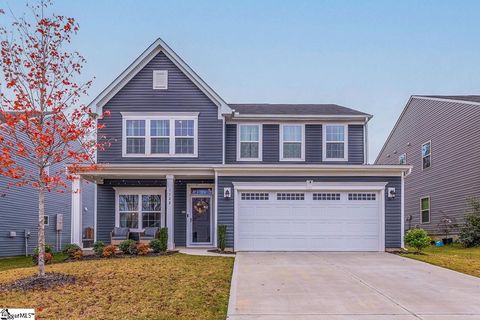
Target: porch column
[[170, 186], [76, 224]]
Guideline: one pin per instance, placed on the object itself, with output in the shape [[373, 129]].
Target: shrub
[[163, 237], [73, 251], [98, 248], [470, 232], [418, 239], [447, 225], [222, 237], [128, 246], [48, 254], [109, 251], [156, 245], [143, 249]]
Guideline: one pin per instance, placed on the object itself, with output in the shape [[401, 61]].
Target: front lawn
[[23, 262], [455, 257], [169, 287]]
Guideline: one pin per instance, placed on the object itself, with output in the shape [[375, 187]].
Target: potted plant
[[446, 226]]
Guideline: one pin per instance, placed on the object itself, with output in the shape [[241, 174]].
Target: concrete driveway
[[338, 286]]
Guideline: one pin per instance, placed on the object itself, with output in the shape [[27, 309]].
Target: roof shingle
[[294, 109]]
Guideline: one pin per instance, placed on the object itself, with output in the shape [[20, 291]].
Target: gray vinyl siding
[[313, 145], [225, 212], [182, 95], [454, 175]]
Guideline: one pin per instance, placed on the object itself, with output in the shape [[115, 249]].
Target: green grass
[[23, 262], [455, 257], [163, 287]]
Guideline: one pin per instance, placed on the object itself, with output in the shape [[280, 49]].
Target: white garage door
[[308, 221]]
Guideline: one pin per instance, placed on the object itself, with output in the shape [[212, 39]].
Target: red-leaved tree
[[43, 128]]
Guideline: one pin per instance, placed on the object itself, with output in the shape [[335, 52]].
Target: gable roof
[[156, 47], [471, 99], [295, 109]]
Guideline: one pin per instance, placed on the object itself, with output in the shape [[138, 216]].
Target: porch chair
[[118, 235], [149, 234]]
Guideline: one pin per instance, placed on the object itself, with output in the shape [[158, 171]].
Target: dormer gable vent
[[160, 79]]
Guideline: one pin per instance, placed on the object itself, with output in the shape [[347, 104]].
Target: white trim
[[324, 142], [402, 212], [429, 210], [260, 142], [302, 142], [170, 210], [95, 213], [148, 117], [237, 115], [330, 186], [155, 48], [212, 214], [290, 121], [215, 218], [76, 213], [161, 73], [430, 154], [139, 192]]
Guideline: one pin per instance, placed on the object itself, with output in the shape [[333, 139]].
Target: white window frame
[[429, 210], [402, 155], [430, 154], [139, 192], [302, 141], [148, 117], [260, 141], [324, 141]]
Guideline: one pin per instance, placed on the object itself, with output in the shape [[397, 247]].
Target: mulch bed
[[121, 256], [221, 252], [50, 280]]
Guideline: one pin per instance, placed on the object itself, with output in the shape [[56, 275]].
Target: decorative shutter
[[160, 79]]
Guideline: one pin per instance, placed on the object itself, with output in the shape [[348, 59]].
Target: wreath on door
[[201, 206]]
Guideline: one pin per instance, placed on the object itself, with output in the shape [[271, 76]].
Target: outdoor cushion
[[150, 232], [120, 232]]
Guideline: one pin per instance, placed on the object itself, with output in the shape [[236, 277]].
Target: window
[[402, 159], [46, 220], [290, 196], [160, 136], [139, 209], [335, 142], [160, 79], [291, 144], [425, 209], [362, 196], [326, 196], [426, 154], [250, 142], [254, 196]]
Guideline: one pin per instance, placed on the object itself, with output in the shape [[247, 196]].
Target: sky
[[367, 55]]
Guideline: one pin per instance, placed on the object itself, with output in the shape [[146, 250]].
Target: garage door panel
[[308, 224]]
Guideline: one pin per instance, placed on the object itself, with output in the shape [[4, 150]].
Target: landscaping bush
[[143, 249], [470, 232], [128, 246], [73, 251], [222, 237], [48, 255], [98, 248], [418, 239], [156, 245], [109, 251], [163, 237]]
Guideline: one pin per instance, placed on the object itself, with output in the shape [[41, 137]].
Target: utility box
[[60, 222]]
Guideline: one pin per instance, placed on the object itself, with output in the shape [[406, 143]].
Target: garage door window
[[259, 196], [362, 196], [326, 196], [290, 196]]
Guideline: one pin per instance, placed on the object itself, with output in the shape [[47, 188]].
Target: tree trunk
[[41, 232]]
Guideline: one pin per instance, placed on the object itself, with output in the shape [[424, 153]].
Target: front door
[[200, 217]]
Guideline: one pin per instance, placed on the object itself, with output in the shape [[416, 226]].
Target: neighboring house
[[438, 136], [19, 215], [280, 176]]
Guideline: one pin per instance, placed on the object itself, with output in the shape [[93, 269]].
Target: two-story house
[[281, 177], [438, 136]]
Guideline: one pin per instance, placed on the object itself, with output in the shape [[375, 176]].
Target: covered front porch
[[181, 199]]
